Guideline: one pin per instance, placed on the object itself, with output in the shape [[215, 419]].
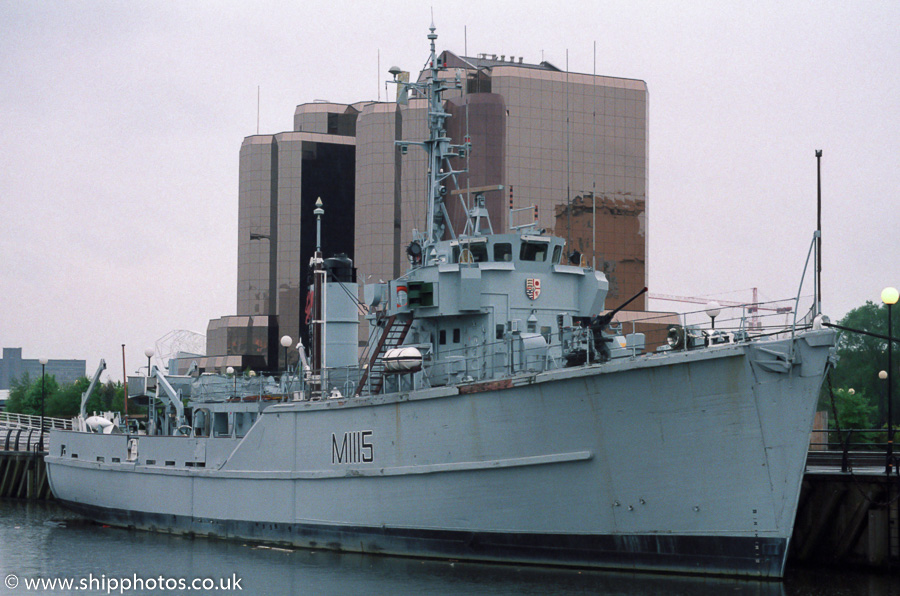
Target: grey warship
[[498, 414]]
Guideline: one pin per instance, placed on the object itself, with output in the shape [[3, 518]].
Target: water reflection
[[44, 541]]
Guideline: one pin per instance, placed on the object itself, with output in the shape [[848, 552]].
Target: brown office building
[[573, 146]]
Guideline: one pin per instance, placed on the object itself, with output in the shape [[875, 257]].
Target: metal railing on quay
[[13, 420], [851, 448], [21, 439]]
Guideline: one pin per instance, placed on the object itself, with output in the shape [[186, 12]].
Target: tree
[[107, 397], [16, 402], [63, 401], [25, 395], [862, 356], [854, 411], [67, 402]]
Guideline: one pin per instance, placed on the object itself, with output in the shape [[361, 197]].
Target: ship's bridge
[[479, 275], [533, 252], [478, 294]]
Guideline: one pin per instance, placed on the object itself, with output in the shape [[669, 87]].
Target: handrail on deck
[[812, 246]]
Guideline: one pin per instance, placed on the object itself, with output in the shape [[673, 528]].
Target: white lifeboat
[[402, 360]]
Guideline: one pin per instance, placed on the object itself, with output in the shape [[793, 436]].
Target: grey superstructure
[[498, 414]]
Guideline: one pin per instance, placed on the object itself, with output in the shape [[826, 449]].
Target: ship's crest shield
[[533, 288]]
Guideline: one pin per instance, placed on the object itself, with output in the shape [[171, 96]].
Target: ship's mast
[[437, 147]]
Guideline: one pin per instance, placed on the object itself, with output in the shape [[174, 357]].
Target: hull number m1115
[[355, 447]]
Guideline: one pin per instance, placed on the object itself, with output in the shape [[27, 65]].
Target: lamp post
[[889, 296], [713, 309], [148, 352], [124, 388], [252, 375], [286, 342], [43, 362], [230, 372], [151, 413]]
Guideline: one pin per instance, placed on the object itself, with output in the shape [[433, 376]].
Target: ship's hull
[[687, 462], [725, 555]]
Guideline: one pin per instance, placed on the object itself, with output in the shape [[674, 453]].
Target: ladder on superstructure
[[393, 335]]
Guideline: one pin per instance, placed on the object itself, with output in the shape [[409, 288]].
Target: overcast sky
[[122, 123]]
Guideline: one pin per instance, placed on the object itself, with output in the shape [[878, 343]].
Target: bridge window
[[470, 252], [533, 251], [456, 335], [442, 335], [201, 422], [557, 254], [221, 427], [503, 252], [479, 251]]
